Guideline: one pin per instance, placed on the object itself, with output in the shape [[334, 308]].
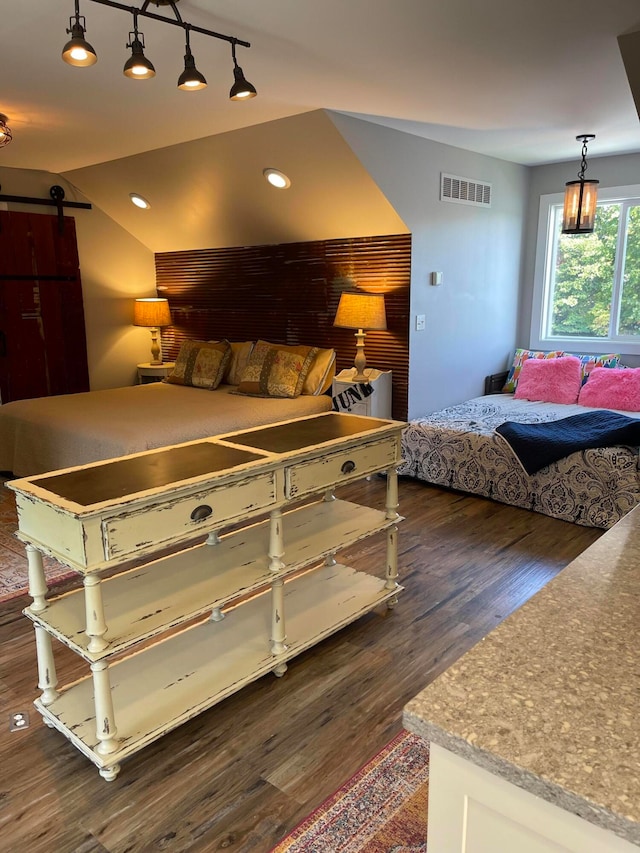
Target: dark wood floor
[[241, 775]]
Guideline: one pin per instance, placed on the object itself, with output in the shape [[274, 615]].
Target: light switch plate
[[420, 322]]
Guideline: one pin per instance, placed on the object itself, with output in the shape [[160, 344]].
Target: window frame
[[545, 262]]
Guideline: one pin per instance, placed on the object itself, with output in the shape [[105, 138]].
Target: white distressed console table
[[277, 577]]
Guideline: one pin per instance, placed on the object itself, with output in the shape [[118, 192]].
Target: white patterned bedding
[[457, 448]]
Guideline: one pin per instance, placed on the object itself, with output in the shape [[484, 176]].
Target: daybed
[[49, 433], [458, 448]]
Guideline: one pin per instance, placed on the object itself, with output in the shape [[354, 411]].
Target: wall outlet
[[420, 322]]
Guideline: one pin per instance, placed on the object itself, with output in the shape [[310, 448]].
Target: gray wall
[[471, 319]]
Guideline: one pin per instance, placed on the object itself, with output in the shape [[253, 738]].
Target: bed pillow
[[550, 380], [274, 371], [520, 357], [321, 373], [200, 364], [240, 353], [612, 388], [588, 362]]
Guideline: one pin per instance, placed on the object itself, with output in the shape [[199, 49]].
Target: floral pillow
[[275, 372], [521, 355], [200, 364], [588, 362]]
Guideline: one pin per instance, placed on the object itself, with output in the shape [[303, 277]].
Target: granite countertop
[[550, 700]]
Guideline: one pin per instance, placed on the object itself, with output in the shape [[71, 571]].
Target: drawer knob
[[201, 512], [348, 466]]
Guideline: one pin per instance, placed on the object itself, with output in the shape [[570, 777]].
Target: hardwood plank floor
[[241, 775]]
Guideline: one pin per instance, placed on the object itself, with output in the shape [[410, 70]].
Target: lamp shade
[[152, 312], [361, 311], [579, 213]]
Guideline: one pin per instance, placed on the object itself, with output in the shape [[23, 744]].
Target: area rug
[[14, 576], [382, 809]]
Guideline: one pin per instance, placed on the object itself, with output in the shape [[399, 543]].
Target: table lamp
[[364, 312], [154, 313]]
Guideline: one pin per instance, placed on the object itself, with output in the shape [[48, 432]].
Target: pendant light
[[77, 51], [241, 90], [580, 197], [137, 67], [191, 80], [5, 131]]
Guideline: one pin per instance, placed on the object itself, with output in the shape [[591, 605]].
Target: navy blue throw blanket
[[538, 445]]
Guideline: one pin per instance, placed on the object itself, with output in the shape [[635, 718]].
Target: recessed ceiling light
[[139, 201], [277, 179]]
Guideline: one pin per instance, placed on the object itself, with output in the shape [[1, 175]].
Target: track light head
[[191, 80], [77, 51], [138, 67], [241, 90], [5, 132]]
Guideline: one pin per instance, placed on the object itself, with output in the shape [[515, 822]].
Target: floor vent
[[464, 191]]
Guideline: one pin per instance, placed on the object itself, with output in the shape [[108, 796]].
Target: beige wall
[[211, 193]]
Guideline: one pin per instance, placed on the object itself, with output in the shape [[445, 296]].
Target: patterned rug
[[382, 809], [14, 578]]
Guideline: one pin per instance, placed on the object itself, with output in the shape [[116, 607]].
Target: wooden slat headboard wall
[[288, 293]]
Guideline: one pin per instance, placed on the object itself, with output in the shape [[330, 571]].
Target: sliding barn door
[[43, 348]]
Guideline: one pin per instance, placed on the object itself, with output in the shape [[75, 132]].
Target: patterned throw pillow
[[240, 353], [201, 364], [590, 361], [519, 359], [276, 372]]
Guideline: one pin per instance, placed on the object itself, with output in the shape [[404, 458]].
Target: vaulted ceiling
[[514, 80]]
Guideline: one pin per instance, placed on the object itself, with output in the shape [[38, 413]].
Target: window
[[587, 286]]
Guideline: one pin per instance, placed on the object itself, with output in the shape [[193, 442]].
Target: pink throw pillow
[[550, 380], [612, 388]]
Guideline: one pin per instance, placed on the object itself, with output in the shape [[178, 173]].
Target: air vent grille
[[464, 190]]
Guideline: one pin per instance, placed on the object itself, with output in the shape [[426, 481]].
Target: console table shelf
[[170, 638], [143, 602]]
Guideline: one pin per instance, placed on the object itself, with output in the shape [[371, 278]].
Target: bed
[[458, 448], [49, 433]]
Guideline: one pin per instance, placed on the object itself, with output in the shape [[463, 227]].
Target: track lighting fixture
[[79, 52], [580, 197], [191, 80], [137, 67], [5, 132], [241, 90]]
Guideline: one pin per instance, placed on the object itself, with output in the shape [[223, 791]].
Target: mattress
[[48, 433], [457, 448]]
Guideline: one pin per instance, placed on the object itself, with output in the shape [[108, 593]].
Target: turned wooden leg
[[216, 615], [276, 541], [329, 495], [392, 494], [392, 564], [110, 773], [47, 677], [94, 612], [37, 581], [213, 538], [278, 633], [106, 730]]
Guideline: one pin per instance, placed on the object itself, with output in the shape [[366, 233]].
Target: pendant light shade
[[580, 197], [77, 51]]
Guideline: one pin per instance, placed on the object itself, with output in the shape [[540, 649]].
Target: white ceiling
[[508, 78]]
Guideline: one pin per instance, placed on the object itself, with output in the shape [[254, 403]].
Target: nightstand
[[148, 372], [376, 405]]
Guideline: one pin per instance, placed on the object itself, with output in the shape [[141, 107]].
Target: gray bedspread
[[458, 448], [48, 433]]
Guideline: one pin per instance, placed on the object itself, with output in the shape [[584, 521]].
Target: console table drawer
[[197, 513], [331, 470]]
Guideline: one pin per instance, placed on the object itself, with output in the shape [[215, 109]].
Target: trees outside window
[[588, 285]]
